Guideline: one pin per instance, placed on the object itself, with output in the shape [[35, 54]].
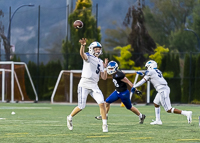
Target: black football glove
[[138, 92]]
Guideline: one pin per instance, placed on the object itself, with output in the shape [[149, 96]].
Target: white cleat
[[189, 116], [105, 128], [156, 122], [69, 124]]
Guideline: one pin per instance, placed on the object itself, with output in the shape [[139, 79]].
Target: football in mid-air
[[78, 24]]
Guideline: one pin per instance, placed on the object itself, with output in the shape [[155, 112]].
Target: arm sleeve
[[141, 82], [101, 66]]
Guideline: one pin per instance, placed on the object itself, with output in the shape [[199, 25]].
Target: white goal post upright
[[3, 83], [80, 71], [13, 75]]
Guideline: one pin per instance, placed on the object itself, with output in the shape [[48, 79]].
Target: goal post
[[65, 89], [13, 74]]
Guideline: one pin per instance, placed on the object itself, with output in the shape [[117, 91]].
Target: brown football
[[78, 24]]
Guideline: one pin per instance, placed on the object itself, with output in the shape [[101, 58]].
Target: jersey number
[[159, 74], [98, 69], [115, 83]]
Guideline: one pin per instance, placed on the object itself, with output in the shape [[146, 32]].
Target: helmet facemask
[[94, 45], [112, 67], [97, 53]]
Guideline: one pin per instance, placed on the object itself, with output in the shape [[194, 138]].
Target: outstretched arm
[[82, 49], [133, 89], [104, 73], [141, 82]]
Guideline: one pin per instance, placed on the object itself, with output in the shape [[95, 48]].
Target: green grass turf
[[46, 123]]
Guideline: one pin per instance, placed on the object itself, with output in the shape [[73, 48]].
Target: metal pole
[[96, 21], [38, 47], [9, 26], [8, 36]]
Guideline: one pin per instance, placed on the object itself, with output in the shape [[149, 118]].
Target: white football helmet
[[151, 65], [112, 67], [94, 45]]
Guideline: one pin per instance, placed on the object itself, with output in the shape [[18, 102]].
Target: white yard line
[[4, 107]]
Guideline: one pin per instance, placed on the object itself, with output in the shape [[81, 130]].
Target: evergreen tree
[[139, 38], [70, 48], [175, 82], [186, 79], [197, 79], [192, 77], [177, 85]]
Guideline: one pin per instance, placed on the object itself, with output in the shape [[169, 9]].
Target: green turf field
[[46, 123]]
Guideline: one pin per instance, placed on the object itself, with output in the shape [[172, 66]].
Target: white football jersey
[[156, 78], [91, 72]]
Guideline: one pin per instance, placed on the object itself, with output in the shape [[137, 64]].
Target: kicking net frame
[[72, 72], [14, 78]]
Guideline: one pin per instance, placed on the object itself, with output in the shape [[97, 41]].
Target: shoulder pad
[[87, 54], [146, 72]]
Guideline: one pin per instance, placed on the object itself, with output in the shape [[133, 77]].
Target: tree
[[186, 78], [118, 36], [160, 51], [124, 60], [70, 48], [165, 22], [197, 79], [141, 42], [2, 35]]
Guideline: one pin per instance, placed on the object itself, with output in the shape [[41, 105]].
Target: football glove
[[140, 73], [138, 92]]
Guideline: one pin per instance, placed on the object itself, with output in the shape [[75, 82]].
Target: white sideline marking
[[2, 118], [4, 107]]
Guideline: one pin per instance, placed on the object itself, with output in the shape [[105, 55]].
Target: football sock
[[184, 113], [140, 116], [104, 121], [157, 112], [70, 117]]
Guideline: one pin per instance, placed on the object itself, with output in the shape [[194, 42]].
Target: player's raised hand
[[106, 62], [83, 41]]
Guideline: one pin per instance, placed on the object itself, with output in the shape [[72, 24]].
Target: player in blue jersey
[[154, 75], [121, 92]]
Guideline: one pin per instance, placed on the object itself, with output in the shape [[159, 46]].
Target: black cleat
[[142, 119], [98, 117]]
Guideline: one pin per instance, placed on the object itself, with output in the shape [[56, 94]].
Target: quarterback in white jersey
[[91, 72], [93, 67], [154, 75]]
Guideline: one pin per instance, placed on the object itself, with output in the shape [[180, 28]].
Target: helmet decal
[[151, 65]]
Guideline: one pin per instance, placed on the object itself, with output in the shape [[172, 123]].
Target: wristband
[[105, 69], [82, 45]]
